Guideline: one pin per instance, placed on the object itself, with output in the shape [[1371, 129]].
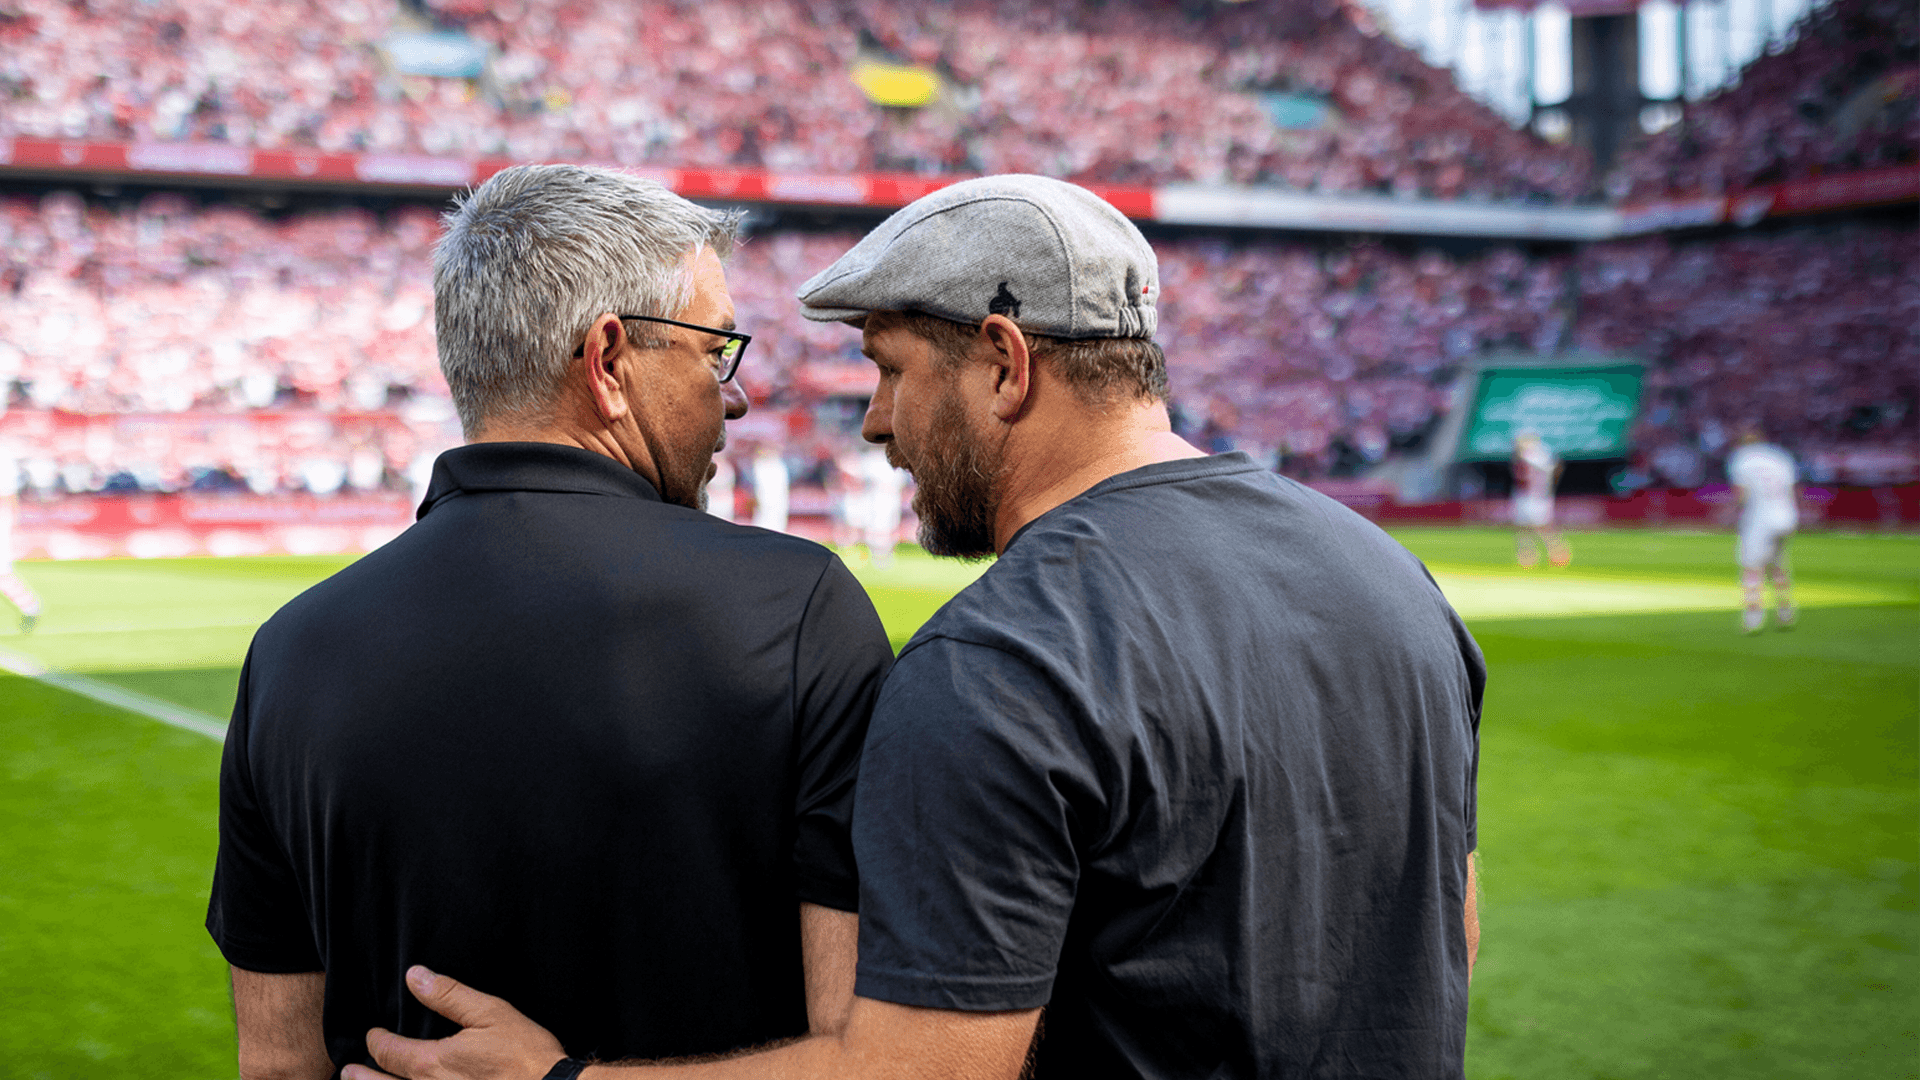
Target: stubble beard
[[956, 476], [683, 480], [682, 485]]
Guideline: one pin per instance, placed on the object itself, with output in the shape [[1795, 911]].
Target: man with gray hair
[[1191, 767], [568, 734]]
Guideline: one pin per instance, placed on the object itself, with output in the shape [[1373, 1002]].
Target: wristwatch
[[565, 1069]]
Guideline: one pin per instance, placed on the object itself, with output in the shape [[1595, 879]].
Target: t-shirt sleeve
[[841, 657], [976, 798], [257, 915]]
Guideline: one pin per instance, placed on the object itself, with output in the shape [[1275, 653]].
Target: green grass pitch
[[1699, 849]]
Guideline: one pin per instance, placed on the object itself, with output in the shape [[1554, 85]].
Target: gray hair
[[530, 258]]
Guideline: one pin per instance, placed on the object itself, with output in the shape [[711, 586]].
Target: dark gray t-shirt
[[1193, 766]]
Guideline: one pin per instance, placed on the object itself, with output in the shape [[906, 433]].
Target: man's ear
[[1011, 367], [600, 359]]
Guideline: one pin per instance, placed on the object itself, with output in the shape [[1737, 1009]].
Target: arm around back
[[882, 1041]]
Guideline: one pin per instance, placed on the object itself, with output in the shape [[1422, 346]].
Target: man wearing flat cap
[[1190, 769]]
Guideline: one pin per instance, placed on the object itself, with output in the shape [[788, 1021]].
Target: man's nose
[[733, 399], [874, 426]]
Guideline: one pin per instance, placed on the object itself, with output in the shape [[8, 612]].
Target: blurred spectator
[[1330, 354], [1302, 93], [1812, 333], [1845, 94], [1325, 356], [171, 308], [167, 306]]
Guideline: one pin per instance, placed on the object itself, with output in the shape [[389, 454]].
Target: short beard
[[678, 490], [957, 493], [683, 482]]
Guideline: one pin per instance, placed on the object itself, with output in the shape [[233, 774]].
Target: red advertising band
[[1197, 204]]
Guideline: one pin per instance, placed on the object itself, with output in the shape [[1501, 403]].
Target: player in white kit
[[720, 489], [1536, 468], [1763, 474], [847, 481], [884, 488], [11, 586], [770, 484]]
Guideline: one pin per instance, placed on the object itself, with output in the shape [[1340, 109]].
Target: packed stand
[[1309, 95], [170, 308], [1844, 95], [1323, 357], [1813, 334], [1329, 355]]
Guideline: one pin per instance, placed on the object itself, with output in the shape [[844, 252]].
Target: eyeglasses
[[726, 359]]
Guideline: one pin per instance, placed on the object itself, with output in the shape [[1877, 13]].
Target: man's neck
[[1065, 458], [515, 429]]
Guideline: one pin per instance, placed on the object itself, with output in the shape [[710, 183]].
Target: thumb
[[404, 1056], [453, 999]]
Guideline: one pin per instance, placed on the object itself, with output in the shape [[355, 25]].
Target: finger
[[399, 1054], [361, 1072], [453, 999]]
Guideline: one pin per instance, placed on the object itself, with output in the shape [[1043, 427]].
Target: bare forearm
[[277, 1019], [285, 1070], [814, 1056], [829, 950], [982, 1054], [882, 1041]]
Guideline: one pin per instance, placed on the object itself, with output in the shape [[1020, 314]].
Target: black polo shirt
[[559, 740]]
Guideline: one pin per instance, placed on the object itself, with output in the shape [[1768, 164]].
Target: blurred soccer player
[[846, 485], [1763, 474], [884, 487], [1536, 469], [12, 586], [720, 489], [770, 488]]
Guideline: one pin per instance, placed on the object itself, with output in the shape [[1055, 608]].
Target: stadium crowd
[[1304, 94], [1845, 94], [171, 308], [1327, 354], [1814, 334]]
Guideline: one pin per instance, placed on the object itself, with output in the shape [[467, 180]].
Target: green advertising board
[[1582, 412]]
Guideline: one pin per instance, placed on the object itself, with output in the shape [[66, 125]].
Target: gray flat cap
[[1053, 257]]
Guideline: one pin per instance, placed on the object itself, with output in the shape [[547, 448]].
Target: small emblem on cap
[[1004, 303]]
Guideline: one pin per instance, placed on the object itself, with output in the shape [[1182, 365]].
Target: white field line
[[81, 629], [120, 698]]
